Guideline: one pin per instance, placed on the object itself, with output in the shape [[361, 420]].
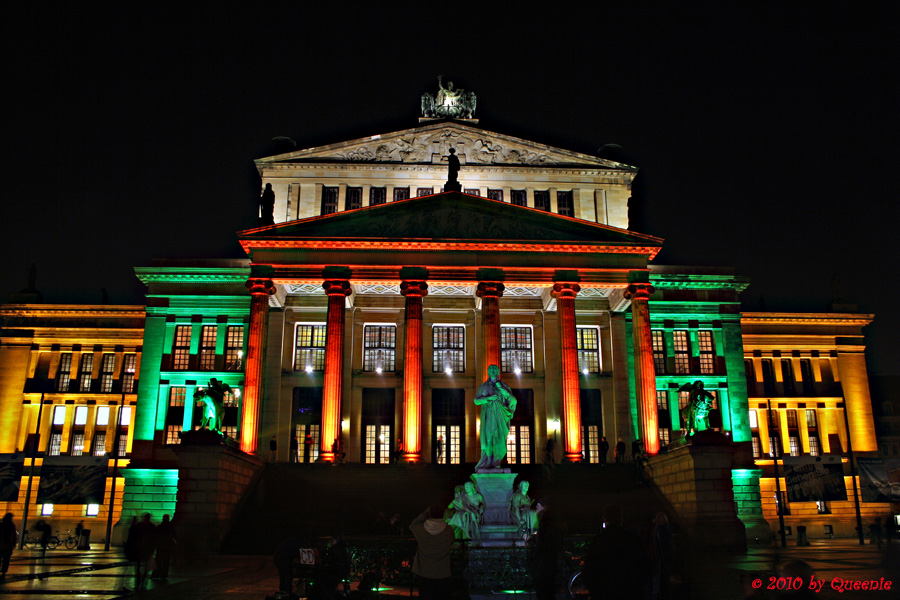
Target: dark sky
[[766, 135]]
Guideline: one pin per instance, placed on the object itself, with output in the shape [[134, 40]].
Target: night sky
[[766, 135]]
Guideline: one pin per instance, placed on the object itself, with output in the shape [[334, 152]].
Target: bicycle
[[31, 541], [70, 541], [576, 587]]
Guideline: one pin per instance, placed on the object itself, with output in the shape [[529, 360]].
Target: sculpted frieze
[[433, 147]]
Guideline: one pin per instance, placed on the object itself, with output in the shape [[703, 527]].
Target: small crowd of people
[[149, 548], [309, 451]]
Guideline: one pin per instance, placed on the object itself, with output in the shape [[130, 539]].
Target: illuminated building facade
[[368, 313]]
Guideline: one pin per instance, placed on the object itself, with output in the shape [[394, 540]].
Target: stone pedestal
[[697, 480], [496, 485], [212, 481]]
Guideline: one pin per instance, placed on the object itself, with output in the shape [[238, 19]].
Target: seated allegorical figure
[[466, 512], [522, 511]]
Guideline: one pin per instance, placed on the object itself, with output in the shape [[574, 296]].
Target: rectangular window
[[55, 446], [354, 198], [811, 418], [177, 396], [592, 443], [774, 449], [787, 377], [77, 444], [99, 448], [495, 195], [472, 191], [659, 351], [102, 418], [757, 448], [309, 353], [662, 400], [792, 419], [588, 344], [542, 199], [182, 348], [515, 350], [795, 445], [814, 448], [330, 200], [377, 195], [123, 444], [447, 443], [307, 453], [565, 203], [380, 343], [173, 433], [107, 370], [65, 372], [129, 365], [378, 444], [663, 436], [449, 344], [519, 197], [424, 191], [707, 352], [768, 377], [208, 334], [81, 416], [401, 193], [59, 415], [234, 348], [753, 422], [92, 510], [87, 366], [684, 398], [682, 352], [518, 445]]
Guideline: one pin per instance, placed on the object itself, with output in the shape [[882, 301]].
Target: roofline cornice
[[806, 318], [71, 310]]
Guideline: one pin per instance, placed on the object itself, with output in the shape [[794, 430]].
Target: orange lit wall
[[337, 291], [412, 369], [256, 343], [490, 293], [571, 398], [644, 370]]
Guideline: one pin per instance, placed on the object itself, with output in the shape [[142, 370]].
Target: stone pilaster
[[490, 293]]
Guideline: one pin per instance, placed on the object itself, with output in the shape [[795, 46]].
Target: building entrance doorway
[[519, 442], [377, 425], [448, 417], [306, 418], [591, 424]]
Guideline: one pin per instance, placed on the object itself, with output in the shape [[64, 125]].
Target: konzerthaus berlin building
[[369, 311]]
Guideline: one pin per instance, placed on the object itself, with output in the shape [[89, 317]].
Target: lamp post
[[112, 492]]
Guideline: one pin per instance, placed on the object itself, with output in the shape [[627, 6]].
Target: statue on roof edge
[[450, 102]]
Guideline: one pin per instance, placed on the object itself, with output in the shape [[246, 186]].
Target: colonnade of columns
[[414, 290]]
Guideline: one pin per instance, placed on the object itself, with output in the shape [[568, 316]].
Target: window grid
[[208, 335], [659, 352], [182, 348], [230, 431], [515, 349], [707, 352], [377, 195], [65, 373], [542, 199], [177, 396], [593, 444], [511, 446], [495, 195], [310, 348], [123, 444], [774, 450], [380, 347], [424, 191], [99, 444], [664, 435], [301, 431], [230, 399], [77, 444], [354, 198], [440, 440], [519, 197], [682, 352], [684, 398], [329, 200], [173, 434], [795, 446], [449, 349], [401, 193], [588, 344], [473, 191], [234, 347], [128, 370], [757, 449], [87, 365], [814, 449], [565, 203], [55, 444], [662, 400], [107, 369], [811, 418], [792, 418]]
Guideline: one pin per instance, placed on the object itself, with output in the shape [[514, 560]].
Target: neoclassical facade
[[365, 316]]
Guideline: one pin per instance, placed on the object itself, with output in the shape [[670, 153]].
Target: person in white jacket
[[431, 564]]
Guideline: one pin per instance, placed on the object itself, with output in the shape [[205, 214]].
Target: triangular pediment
[[431, 143], [453, 217]]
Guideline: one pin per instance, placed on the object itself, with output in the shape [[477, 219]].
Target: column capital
[[337, 287], [565, 290], [413, 288], [260, 286], [490, 289], [639, 291]]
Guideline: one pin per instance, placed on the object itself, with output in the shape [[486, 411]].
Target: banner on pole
[[11, 468], [72, 480], [879, 479], [814, 478]]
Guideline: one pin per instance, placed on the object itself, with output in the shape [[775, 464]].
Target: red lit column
[[644, 370], [490, 293], [571, 398], [412, 370], [260, 289], [337, 291]]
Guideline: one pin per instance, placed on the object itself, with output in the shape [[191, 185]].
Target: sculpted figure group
[[522, 511], [466, 513], [449, 102], [695, 416], [213, 399]]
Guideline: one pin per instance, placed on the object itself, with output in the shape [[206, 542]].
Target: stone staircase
[[321, 500]]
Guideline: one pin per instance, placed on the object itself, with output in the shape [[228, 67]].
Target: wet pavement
[[103, 575]]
